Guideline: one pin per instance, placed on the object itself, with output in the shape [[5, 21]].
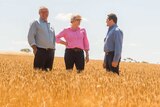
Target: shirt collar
[[74, 29], [113, 26], [41, 20]]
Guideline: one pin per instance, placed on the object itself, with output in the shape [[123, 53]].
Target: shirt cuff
[[32, 44], [116, 58], [58, 40], [86, 49]]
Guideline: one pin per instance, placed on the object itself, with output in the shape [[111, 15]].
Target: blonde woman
[[76, 43]]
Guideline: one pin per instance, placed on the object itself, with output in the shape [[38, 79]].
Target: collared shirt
[[41, 35], [113, 42], [74, 38]]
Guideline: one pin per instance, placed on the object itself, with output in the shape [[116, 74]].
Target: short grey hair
[[42, 8]]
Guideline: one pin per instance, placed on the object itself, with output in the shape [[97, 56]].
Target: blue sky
[[139, 20]]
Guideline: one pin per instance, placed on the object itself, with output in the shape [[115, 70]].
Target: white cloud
[[132, 44], [156, 53], [63, 16], [16, 42], [66, 17]]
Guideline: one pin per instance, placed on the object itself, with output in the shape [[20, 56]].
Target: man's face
[[44, 13], [108, 22]]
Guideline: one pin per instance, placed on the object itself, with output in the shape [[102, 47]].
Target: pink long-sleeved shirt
[[74, 38]]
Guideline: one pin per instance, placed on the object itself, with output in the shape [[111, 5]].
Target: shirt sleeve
[[32, 34], [59, 36], [118, 45], [104, 58], [86, 42], [54, 38]]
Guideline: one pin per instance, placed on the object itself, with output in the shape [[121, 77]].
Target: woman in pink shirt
[[76, 43]]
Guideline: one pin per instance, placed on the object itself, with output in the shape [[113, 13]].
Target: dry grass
[[21, 86]]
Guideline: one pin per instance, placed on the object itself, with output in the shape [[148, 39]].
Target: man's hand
[[114, 64], [35, 51], [34, 47], [104, 65]]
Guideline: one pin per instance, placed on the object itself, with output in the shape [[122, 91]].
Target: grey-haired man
[[41, 38]]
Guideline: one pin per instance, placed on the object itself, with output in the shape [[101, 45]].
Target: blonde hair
[[74, 17], [42, 8]]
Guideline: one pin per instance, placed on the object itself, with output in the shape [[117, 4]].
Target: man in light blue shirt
[[113, 45], [41, 37]]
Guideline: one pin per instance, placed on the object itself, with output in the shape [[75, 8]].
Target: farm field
[[20, 86]]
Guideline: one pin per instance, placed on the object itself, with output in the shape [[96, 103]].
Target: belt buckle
[[76, 50], [107, 53]]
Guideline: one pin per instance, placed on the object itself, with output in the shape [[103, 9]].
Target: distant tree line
[[25, 50], [133, 60]]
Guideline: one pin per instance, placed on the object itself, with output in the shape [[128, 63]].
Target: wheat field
[[20, 86]]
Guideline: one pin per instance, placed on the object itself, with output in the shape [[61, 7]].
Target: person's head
[[43, 12], [111, 19], [76, 20]]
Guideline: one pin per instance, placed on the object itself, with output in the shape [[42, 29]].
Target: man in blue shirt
[[113, 45], [41, 38]]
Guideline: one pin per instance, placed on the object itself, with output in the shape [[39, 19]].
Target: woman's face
[[76, 22]]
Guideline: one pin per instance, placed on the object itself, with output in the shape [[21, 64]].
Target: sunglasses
[[44, 11], [78, 19]]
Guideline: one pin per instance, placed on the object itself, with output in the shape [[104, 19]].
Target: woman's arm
[[63, 43], [86, 46], [87, 56], [85, 40], [59, 36]]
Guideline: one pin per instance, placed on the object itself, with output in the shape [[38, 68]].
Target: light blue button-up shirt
[[41, 34], [113, 42]]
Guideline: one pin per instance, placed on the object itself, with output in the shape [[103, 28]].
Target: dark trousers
[[44, 59], [109, 58], [74, 56]]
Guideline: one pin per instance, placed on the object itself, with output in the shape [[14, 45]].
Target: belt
[[75, 49], [45, 49]]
